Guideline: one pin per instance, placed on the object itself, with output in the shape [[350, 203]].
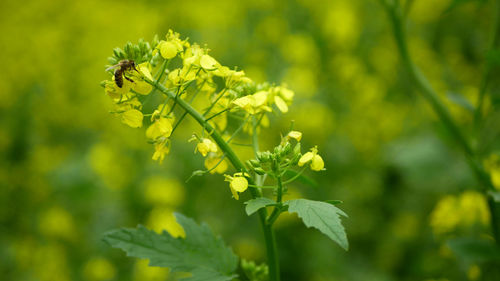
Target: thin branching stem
[[483, 87], [430, 95], [269, 236]]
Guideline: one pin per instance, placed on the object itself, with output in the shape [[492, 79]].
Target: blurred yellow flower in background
[[492, 165], [99, 269], [465, 210], [162, 219], [56, 222], [144, 272], [161, 191], [216, 164]]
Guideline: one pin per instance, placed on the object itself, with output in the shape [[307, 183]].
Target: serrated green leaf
[[323, 216], [201, 253], [254, 205], [474, 250]]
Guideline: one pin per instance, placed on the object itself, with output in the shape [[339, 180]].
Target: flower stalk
[[396, 16], [269, 236]]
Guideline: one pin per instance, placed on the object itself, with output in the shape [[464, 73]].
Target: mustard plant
[[480, 156], [171, 74]]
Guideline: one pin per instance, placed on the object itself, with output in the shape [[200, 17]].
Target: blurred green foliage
[[70, 171]]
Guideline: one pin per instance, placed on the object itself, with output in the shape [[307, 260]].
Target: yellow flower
[[133, 118], [112, 90], [178, 76], [237, 183], [295, 135], [465, 210], [162, 218], [211, 161], [142, 87], [444, 217], [161, 191], [143, 272], [168, 49], [192, 55], [57, 222], [474, 208], [99, 269], [208, 62], [254, 103], [312, 156], [492, 165], [474, 272], [161, 128], [206, 146], [161, 148], [286, 94], [144, 68], [317, 163]]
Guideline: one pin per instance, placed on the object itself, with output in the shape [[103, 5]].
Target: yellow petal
[[161, 149], [144, 69], [168, 50], [244, 102], [239, 184], [210, 163], [207, 62], [260, 98], [286, 94], [206, 146], [295, 135], [212, 146], [305, 158], [133, 118], [142, 87], [317, 163], [281, 104], [235, 194], [160, 128]]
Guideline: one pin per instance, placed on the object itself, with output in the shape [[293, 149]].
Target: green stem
[[217, 114], [219, 96], [279, 196], [429, 94], [269, 236], [255, 146], [493, 37]]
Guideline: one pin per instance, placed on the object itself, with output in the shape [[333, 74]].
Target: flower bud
[[254, 163], [286, 149], [259, 171], [296, 149], [264, 156]]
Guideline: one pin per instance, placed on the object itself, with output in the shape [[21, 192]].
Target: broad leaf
[[256, 204], [202, 254], [323, 216]]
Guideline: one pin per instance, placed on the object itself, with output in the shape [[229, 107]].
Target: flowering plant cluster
[[168, 79]]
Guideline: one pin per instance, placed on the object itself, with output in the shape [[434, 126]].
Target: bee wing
[[112, 67]]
